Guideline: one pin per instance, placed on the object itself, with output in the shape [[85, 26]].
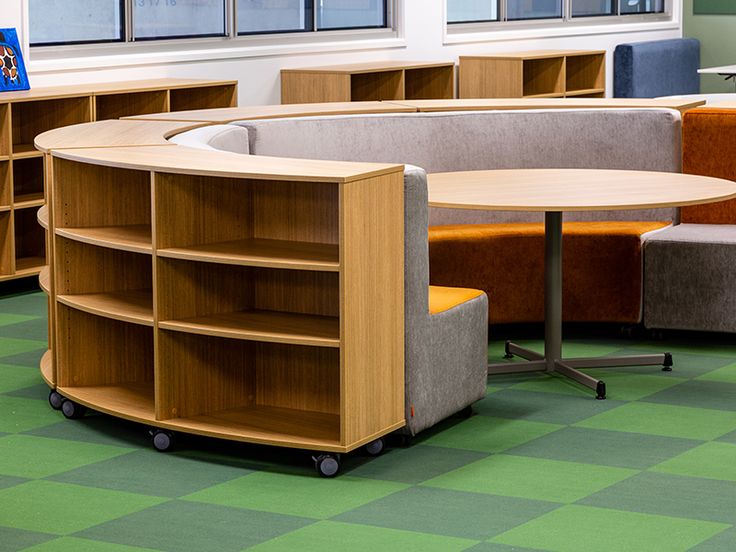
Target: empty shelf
[[134, 306], [135, 238]]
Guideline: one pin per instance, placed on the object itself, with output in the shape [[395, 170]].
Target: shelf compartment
[[203, 97], [94, 351], [135, 238], [5, 184], [115, 106], [93, 196], [272, 391], [25, 151], [263, 253], [384, 85], [27, 201], [6, 245], [5, 135], [249, 303], [30, 119], [585, 73], [28, 266], [131, 401], [194, 211], [429, 83], [543, 76], [28, 187], [30, 240], [134, 306]]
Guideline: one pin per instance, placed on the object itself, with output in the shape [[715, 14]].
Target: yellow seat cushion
[[443, 298]]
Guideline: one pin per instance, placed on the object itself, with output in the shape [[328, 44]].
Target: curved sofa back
[[642, 139]]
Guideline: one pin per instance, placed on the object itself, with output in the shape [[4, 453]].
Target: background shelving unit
[[229, 306], [539, 74], [24, 115], [390, 80]]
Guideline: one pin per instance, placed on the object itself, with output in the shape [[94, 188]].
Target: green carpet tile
[[541, 465]]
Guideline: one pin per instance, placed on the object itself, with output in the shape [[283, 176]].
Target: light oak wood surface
[[133, 237], [133, 306], [369, 67], [573, 189]]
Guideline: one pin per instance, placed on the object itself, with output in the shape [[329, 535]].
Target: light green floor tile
[[62, 509], [18, 414], [35, 457], [310, 496], [9, 346], [666, 420], [727, 374], [627, 386], [7, 318], [584, 529], [533, 478], [330, 535], [17, 377], [71, 544], [487, 434], [711, 460]]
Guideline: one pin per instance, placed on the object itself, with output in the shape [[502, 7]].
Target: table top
[[722, 70], [573, 189]]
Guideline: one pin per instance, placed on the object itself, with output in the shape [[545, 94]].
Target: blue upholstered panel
[[656, 68]]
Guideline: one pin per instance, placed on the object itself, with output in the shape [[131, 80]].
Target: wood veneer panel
[[6, 184], [544, 76], [135, 306], [32, 118], [5, 130], [429, 82], [299, 88], [28, 179], [490, 78], [114, 106], [585, 72], [6, 244], [135, 237], [203, 97], [386, 85], [30, 239], [372, 359]]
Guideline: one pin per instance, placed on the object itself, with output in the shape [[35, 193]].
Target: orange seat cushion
[[602, 268], [709, 149], [443, 298]]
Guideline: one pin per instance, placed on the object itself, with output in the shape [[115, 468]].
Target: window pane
[[259, 16], [642, 6], [65, 22], [534, 9], [583, 8], [350, 14], [178, 18], [460, 11]]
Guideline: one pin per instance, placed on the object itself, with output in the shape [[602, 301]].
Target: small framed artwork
[[13, 74]]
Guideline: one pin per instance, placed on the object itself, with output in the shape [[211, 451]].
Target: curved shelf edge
[[134, 307], [136, 239], [44, 280], [43, 216], [47, 369]]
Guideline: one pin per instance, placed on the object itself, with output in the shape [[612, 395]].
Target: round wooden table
[[553, 191]]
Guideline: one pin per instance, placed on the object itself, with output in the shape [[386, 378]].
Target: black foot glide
[[667, 364], [506, 350], [600, 391]]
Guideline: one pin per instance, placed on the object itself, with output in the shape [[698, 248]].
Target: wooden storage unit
[[24, 115], [539, 74], [390, 80], [229, 301]]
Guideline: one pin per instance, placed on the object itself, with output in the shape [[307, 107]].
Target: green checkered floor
[[541, 466]]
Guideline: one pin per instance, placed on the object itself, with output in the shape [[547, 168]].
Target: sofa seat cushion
[[602, 268], [690, 278], [708, 149], [443, 298]]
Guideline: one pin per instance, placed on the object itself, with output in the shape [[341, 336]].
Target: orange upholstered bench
[[442, 298], [602, 268]]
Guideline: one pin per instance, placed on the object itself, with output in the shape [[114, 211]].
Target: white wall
[[258, 70]]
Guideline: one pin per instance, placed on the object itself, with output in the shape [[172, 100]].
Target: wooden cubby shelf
[[135, 306], [131, 400], [134, 237], [538, 74]]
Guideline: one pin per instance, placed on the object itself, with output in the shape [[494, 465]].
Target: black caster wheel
[[404, 440], [375, 448], [667, 364], [162, 440], [465, 413], [55, 400], [72, 410], [600, 391], [327, 465]]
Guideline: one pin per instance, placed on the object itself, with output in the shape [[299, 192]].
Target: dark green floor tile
[[189, 527], [607, 448], [13, 378], [446, 512], [497, 547], [555, 383], [8, 319], [728, 438], [99, 429], [727, 374], [488, 434], [72, 544], [666, 420], [699, 394], [693, 346], [35, 457], [575, 528], [331, 535], [51, 507], [686, 365], [29, 359], [307, 496], [27, 304], [532, 478], [10, 481], [626, 386], [149, 472], [12, 540], [38, 392], [18, 414], [543, 407], [711, 460], [32, 328], [723, 542], [670, 495], [415, 464]]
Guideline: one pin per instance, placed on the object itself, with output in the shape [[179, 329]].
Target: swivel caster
[[667, 364], [327, 465], [600, 391], [404, 440], [55, 400], [508, 354], [465, 413], [72, 410], [375, 448], [162, 440]]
